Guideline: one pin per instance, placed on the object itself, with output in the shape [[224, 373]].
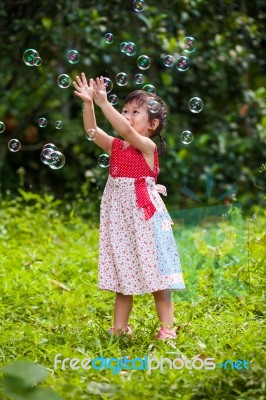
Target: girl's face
[[138, 117]]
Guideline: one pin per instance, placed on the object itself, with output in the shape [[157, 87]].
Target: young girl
[[137, 250]]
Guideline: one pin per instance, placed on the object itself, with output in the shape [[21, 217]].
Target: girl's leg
[[123, 307], [164, 307]]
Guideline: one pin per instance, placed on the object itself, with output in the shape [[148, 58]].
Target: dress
[[137, 248]]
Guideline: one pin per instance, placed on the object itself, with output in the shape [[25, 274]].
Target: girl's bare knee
[[163, 295]]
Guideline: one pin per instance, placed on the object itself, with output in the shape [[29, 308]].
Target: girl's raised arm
[[86, 93], [120, 123]]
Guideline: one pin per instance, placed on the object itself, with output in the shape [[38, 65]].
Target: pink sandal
[[126, 331], [166, 333]]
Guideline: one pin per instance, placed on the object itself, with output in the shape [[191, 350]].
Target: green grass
[[50, 304]]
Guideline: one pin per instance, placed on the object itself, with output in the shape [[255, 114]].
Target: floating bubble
[[73, 56], [139, 79], [195, 105], [182, 63], [103, 160], [91, 134], [123, 47], [50, 146], [121, 79], [138, 5], [131, 49], [153, 105], [43, 159], [113, 99], [168, 61], [42, 122], [37, 61], [64, 81], [2, 127], [58, 124], [48, 155], [108, 84], [29, 56], [109, 38], [14, 145], [186, 137], [47, 152], [189, 44], [58, 160], [149, 88], [143, 62]]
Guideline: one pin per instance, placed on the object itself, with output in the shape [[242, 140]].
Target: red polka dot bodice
[[130, 163]]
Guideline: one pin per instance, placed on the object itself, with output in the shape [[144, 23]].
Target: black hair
[[143, 98]]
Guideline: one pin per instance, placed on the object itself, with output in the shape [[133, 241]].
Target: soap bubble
[[48, 152], [50, 146], [182, 63], [44, 159], [82, 107], [2, 127], [143, 62], [186, 137], [168, 61], [91, 134], [73, 57], [108, 84], [109, 38], [42, 122], [14, 145], [64, 81], [58, 160], [195, 105], [121, 79], [48, 155], [139, 79], [153, 105], [138, 5], [149, 88], [113, 99], [131, 49], [189, 44], [37, 61], [58, 124], [103, 160], [123, 47], [29, 56]]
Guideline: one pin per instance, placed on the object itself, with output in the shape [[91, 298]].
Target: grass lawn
[[50, 304]]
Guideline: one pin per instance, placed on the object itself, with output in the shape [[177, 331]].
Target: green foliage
[[227, 72], [50, 304], [19, 381]]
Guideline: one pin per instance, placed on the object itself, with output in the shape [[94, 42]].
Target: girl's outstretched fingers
[[76, 86], [100, 84], [79, 82], [97, 83], [84, 79], [91, 83]]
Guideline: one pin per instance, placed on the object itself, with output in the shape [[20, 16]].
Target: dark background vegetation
[[228, 72]]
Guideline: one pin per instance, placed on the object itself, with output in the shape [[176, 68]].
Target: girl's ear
[[154, 124]]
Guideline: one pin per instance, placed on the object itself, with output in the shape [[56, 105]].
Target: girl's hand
[[85, 92], [100, 95]]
